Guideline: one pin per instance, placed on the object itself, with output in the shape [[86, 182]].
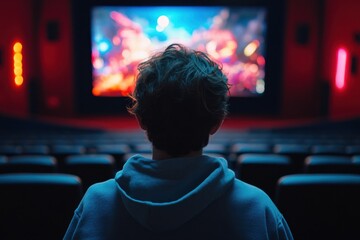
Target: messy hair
[[180, 95]]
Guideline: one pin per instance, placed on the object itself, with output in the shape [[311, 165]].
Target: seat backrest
[[356, 162], [242, 148], [263, 170], [118, 151], [32, 164], [329, 149], [61, 151], [353, 150], [10, 150], [91, 168], [218, 148], [320, 206], [329, 164], [296, 152], [141, 147], [37, 205], [35, 149], [3, 163]]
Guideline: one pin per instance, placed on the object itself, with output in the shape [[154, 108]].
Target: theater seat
[[321, 206], [296, 152], [3, 163], [329, 164], [328, 149], [141, 148], [31, 164], [38, 149], [91, 168], [353, 149], [61, 151], [263, 170], [118, 151], [37, 205], [10, 150], [217, 148], [356, 162], [242, 148]]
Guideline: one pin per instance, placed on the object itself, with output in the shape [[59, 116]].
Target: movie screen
[[122, 37]]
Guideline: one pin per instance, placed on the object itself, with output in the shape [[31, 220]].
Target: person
[[180, 99]]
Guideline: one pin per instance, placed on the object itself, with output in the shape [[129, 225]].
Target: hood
[[162, 195]]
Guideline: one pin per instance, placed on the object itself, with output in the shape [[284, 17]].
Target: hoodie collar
[[164, 194]]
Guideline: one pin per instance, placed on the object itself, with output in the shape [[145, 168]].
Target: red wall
[[47, 64], [309, 68], [15, 25], [300, 86], [56, 58], [343, 22]]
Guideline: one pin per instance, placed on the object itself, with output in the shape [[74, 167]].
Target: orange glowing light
[[18, 66], [340, 68], [17, 47], [19, 80], [18, 71], [17, 57]]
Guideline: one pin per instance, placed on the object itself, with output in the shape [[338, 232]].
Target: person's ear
[[140, 123], [216, 127]]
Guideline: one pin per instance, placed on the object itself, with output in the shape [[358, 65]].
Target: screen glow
[[122, 37]]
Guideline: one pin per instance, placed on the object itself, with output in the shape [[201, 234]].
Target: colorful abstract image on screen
[[122, 37]]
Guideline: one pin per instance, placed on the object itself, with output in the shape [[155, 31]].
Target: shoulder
[[100, 202], [243, 212], [255, 200], [253, 207], [102, 187], [246, 193], [100, 193], [100, 207]]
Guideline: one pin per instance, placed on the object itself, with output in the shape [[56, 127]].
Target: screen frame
[[267, 103]]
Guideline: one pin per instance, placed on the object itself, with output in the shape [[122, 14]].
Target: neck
[[161, 155]]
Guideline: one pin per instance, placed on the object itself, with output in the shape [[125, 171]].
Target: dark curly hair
[[180, 95]]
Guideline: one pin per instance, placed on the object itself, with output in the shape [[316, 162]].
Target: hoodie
[[178, 198]]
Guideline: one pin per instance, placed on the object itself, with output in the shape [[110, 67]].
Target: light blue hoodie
[[179, 198]]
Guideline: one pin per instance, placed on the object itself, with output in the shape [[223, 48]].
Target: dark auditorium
[[178, 119]]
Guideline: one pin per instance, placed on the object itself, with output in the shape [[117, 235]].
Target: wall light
[[18, 66], [341, 68]]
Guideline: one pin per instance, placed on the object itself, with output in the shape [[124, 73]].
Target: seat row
[[232, 151], [320, 206], [262, 170], [229, 136], [316, 206], [37, 205], [90, 168]]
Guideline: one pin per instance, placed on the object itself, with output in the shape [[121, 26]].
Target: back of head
[[180, 95]]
